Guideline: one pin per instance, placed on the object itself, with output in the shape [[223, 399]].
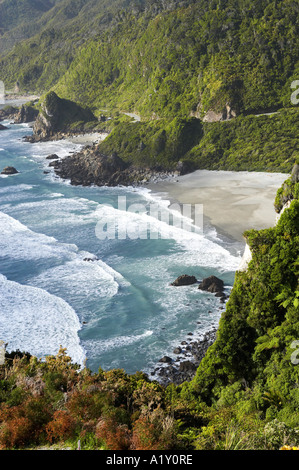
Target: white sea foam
[[15, 189], [32, 320], [56, 211], [202, 251], [73, 277], [79, 278], [19, 242], [62, 148], [98, 347]]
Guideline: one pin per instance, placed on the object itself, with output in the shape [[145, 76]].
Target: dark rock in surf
[[166, 359], [53, 156], [54, 164], [9, 170], [184, 280], [212, 284], [185, 370]]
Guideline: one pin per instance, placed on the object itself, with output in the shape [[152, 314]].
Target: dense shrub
[[115, 436], [61, 427]]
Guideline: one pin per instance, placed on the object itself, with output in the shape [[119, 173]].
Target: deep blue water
[[118, 311]]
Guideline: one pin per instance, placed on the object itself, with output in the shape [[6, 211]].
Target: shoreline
[[233, 202], [189, 353], [247, 200], [20, 96]]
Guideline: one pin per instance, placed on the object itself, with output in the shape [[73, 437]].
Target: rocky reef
[[184, 280], [191, 351], [188, 354]]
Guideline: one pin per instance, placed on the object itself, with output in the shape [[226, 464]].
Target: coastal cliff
[[256, 332]]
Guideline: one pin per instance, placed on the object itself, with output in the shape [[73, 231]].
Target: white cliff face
[[285, 206], [246, 258]]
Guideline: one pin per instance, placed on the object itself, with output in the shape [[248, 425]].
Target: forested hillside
[[19, 19], [172, 63], [164, 60]]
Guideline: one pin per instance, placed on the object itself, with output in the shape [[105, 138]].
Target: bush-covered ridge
[[245, 394], [165, 60], [245, 143]]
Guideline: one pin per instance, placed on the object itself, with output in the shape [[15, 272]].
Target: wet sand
[[233, 202]]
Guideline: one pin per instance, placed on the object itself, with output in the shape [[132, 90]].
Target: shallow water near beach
[[108, 301]]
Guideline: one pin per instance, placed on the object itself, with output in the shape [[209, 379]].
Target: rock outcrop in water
[[53, 156], [212, 284], [184, 280], [9, 170]]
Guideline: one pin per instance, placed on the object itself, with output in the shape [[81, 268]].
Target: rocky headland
[[26, 113], [91, 167]]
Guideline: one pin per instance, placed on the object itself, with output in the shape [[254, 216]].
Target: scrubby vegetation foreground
[[245, 395]]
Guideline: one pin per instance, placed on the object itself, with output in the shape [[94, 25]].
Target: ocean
[[108, 301]]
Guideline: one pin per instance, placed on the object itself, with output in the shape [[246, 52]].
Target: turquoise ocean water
[[118, 311]]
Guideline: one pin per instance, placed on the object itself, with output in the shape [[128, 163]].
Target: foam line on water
[[35, 321], [98, 347], [19, 242], [78, 278], [207, 252]]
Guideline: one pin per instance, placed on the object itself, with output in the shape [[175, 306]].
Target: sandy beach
[[88, 138], [232, 201]]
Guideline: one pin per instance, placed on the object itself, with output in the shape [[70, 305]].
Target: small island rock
[[212, 284], [184, 280], [9, 170]]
